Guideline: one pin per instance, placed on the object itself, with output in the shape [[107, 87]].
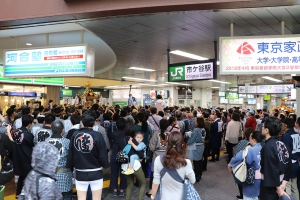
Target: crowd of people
[[50, 146]]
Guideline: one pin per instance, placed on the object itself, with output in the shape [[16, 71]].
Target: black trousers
[[267, 193], [205, 155], [20, 184], [229, 148], [241, 189], [151, 180], [198, 168], [215, 153]]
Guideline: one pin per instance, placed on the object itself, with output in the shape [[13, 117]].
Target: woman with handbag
[[251, 187], [158, 145], [173, 162]]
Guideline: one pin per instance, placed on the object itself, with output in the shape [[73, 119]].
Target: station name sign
[[266, 89], [56, 61], [192, 71], [260, 55]]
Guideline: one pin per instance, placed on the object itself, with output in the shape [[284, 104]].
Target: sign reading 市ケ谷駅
[[192, 71], [260, 54], [57, 61]]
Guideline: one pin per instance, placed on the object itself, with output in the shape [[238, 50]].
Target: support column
[[52, 93], [282, 27], [231, 29]]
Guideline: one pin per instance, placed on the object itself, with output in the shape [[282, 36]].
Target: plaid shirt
[[64, 175], [240, 146]]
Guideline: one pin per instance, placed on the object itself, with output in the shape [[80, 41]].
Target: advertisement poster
[[260, 55]]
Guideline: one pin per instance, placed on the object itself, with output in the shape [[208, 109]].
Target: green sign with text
[[67, 93]]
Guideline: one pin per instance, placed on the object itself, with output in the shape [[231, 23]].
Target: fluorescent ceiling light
[[218, 62], [188, 55], [219, 81], [215, 87], [139, 79], [148, 85], [293, 74], [177, 83], [167, 73], [163, 84], [73, 86], [271, 79], [142, 69], [28, 44]]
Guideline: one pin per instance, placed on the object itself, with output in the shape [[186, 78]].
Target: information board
[[278, 54], [57, 61], [22, 94], [231, 96], [266, 89], [192, 71]]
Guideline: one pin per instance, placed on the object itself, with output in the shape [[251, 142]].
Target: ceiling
[[143, 40]]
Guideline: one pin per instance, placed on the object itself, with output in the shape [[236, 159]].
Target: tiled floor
[[216, 184]]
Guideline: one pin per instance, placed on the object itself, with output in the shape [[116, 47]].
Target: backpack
[[106, 125], [240, 171]]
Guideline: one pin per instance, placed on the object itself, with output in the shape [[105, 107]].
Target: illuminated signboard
[[192, 71], [22, 94], [267, 97], [231, 96], [266, 89], [260, 55], [60, 61]]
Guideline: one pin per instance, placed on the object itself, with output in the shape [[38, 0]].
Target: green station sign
[[232, 96], [67, 93]]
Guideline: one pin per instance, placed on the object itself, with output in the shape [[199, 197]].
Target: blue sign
[[22, 94]]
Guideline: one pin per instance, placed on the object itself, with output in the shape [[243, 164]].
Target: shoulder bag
[[122, 155], [189, 191], [240, 171]]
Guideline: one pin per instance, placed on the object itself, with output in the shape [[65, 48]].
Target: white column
[[298, 103]]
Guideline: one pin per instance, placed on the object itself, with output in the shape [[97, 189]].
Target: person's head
[[199, 122], [130, 95], [121, 123], [281, 117], [50, 102], [286, 113], [297, 123], [247, 133], [26, 111], [293, 116], [153, 110], [159, 96], [178, 114], [206, 115], [242, 117], [287, 124], [116, 117], [255, 137], [183, 114], [10, 112], [27, 121], [271, 127], [88, 118], [256, 116], [194, 113], [75, 119], [57, 111], [106, 116], [139, 136], [130, 130], [217, 115], [235, 117], [49, 118], [175, 153], [172, 121], [41, 119], [251, 113], [123, 112], [161, 113], [57, 127], [71, 110]]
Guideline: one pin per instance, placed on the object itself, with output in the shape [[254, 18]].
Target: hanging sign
[[260, 55], [266, 89], [192, 71], [56, 61]]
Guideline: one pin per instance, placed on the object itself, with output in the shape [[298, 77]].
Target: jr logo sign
[[177, 73]]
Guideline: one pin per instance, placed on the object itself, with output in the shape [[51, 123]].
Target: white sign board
[[260, 55], [275, 89], [56, 61], [247, 89]]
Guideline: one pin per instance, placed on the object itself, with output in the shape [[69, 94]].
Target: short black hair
[[50, 101], [26, 111], [49, 118], [57, 127], [121, 123], [123, 113], [10, 111], [161, 113], [139, 133], [274, 125], [236, 117], [57, 111], [130, 130], [206, 114], [70, 110], [218, 115], [26, 120], [178, 114], [153, 110], [75, 119], [159, 96], [40, 119], [41, 108], [88, 118]]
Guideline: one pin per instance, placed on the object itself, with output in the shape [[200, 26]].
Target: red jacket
[[251, 123]]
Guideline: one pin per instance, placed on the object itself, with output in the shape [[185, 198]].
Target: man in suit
[[216, 136]]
